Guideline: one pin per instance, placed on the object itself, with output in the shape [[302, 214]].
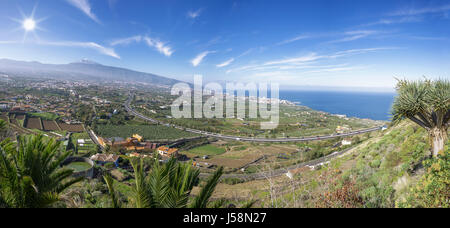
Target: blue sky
[[337, 43]]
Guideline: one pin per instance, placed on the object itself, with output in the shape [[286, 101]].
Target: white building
[[346, 142]]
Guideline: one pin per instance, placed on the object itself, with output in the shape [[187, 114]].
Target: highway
[[246, 139]]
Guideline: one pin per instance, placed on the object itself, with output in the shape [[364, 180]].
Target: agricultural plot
[[234, 155], [71, 127], [50, 125], [149, 132], [208, 150], [20, 117], [34, 123], [45, 115], [83, 143]]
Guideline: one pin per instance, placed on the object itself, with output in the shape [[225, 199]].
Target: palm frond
[[206, 192]]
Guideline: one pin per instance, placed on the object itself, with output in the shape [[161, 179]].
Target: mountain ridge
[[83, 70]]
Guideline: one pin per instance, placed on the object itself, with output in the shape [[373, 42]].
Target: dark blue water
[[376, 106]]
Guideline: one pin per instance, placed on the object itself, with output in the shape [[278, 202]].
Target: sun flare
[[29, 24]]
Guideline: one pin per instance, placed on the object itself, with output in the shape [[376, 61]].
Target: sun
[[29, 24]]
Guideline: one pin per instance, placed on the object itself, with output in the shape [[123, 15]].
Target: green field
[[78, 166], [149, 132], [45, 116], [207, 150]]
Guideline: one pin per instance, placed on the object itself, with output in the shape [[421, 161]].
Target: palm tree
[[427, 103], [2, 125], [167, 186], [30, 173], [3, 129]]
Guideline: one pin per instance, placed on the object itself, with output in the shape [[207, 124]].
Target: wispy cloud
[[428, 38], [419, 11], [226, 63], [160, 46], [304, 61], [306, 58], [9, 42], [199, 58], [390, 21], [355, 35], [85, 7], [337, 69], [301, 37], [361, 51], [246, 52], [194, 14], [127, 41], [91, 45]]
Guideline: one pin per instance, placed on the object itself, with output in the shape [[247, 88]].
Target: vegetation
[[208, 150], [433, 189], [427, 103], [149, 132], [3, 129], [166, 186], [78, 166], [30, 173], [45, 116]]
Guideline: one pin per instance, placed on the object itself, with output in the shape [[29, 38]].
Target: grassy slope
[[378, 173]]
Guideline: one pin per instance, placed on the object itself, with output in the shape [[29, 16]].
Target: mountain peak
[[87, 61]]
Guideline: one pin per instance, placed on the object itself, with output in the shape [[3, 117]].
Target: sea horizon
[[375, 105]]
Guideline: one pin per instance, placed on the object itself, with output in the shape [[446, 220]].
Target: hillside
[[384, 171], [83, 70]]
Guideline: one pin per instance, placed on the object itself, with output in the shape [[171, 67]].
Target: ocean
[[376, 106]]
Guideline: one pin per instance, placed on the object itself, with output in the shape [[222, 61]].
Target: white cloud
[[194, 14], [425, 10], [160, 46], [127, 41], [355, 35], [361, 51], [407, 19], [226, 63], [246, 52], [336, 69], [90, 45], [85, 7], [305, 61], [301, 37], [199, 58], [306, 58], [8, 42]]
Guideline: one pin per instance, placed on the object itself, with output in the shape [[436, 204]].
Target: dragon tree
[[426, 103]]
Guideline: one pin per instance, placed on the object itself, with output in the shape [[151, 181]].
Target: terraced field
[[34, 123], [50, 125], [20, 116]]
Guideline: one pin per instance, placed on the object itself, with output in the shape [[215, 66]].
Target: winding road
[[247, 139]]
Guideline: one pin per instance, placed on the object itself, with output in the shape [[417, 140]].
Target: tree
[[3, 129], [426, 103], [30, 173], [167, 185], [2, 125]]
